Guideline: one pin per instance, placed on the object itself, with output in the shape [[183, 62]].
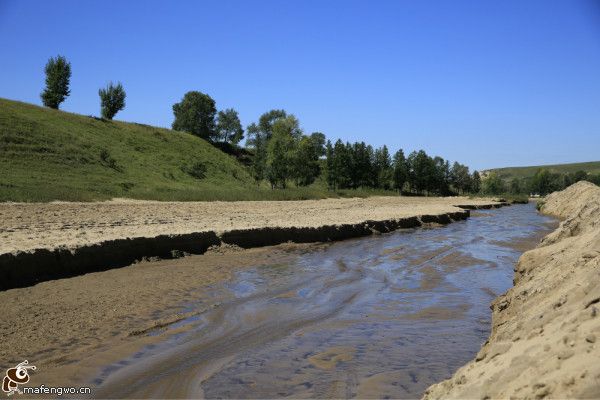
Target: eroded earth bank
[[546, 329], [43, 241]]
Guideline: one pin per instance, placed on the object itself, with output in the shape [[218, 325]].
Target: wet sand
[[349, 318], [60, 322]]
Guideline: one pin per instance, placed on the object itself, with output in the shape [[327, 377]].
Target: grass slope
[[50, 155], [592, 167]]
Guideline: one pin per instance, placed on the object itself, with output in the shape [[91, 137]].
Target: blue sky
[[487, 83]]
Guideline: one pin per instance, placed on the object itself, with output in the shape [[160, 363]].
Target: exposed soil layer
[[545, 330], [39, 242]]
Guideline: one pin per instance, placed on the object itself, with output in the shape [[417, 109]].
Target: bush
[[196, 170], [108, 161]]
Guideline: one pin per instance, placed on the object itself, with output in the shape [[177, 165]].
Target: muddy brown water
[[378, 317]]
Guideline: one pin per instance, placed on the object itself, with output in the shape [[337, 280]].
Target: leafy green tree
[[195, 114], [542, 182], [228, 127], [421, 171], [318, 141], [58, 76], [493, 184], [475, 182], [400, 170], [331, 176], [280, 151], [595, 179], [259, 135], [112, 100], [460, 177], [515, 186], [383, 168], [440, 180], [342, 162], [363, 160], [305, 163], [579, 176]]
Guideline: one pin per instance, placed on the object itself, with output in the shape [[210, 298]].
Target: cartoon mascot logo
[[16, 376]]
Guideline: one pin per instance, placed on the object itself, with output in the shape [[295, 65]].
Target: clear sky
[[487, 83]]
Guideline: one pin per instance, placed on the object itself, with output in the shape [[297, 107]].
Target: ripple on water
[[381, 316]]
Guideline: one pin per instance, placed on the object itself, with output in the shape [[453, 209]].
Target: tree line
[[281, 153], [541, 183], [359, 165]]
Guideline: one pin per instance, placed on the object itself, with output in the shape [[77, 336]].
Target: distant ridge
[[507, 173]]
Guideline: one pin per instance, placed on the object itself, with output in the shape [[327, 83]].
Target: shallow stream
[[382, 316]]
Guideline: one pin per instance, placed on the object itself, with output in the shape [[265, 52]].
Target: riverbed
[[383, 316]]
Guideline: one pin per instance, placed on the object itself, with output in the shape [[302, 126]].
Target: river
[[376, 317]]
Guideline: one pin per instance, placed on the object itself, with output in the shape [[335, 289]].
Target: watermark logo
[[16, 376]]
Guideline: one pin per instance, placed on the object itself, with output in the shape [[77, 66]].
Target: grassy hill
[[592, 167], [50, 155]]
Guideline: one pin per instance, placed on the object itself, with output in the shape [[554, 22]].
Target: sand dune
[[544, 340]]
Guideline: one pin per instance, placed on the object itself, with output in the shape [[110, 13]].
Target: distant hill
[[50, 155], [592, 167]]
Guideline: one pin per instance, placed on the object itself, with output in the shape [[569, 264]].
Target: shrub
[[196, 170]]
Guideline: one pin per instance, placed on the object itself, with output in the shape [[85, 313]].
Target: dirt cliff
[[545, 340]]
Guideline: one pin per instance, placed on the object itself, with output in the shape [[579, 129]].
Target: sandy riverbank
[[39, 242], [546, 329], [28, 226], [100, 311], [105, 313]]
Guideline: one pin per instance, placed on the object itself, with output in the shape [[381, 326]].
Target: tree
[[383, 168], [515, 186], [112, 100], [330, 171], [541, 182], [493, 184], [421, 171], [305, 161], [229, 128], [58, 76], [400, 170], [475, 182], [262, 131], [459, 177], [579, 176], [195, 114], [342, 161], [280, 149], [258, 136], [440, 182], [318, 141]]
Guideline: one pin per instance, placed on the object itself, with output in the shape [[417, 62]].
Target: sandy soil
[[545, 333], [59, 322], [27, 226]]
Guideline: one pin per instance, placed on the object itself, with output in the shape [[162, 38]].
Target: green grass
[[592, 167], [50, 155]]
